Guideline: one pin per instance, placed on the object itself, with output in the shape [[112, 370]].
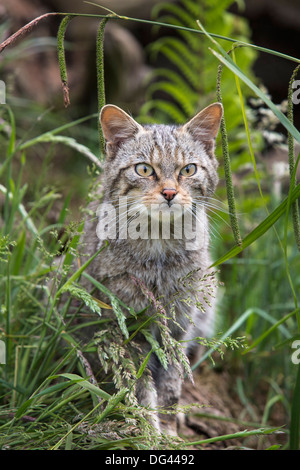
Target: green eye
[[143, 169], [189, 170]]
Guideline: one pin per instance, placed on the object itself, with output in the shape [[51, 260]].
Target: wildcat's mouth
[[168, 210]]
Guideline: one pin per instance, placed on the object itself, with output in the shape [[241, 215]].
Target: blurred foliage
[[189, 79]]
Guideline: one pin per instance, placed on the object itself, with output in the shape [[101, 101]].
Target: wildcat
[[155, 169]]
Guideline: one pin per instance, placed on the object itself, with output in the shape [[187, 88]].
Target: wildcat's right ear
[[205, 125], [117, 125]]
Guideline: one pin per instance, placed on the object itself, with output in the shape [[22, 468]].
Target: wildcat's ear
[[117, 125], [205, 125]]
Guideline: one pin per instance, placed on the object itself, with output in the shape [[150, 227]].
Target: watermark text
[[296, 93], [2, 92], [2, 352], [296, 354]]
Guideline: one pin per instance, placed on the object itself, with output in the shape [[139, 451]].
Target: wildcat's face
[[160, 169]]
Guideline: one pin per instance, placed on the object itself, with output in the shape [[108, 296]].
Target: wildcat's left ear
[[205, 125]]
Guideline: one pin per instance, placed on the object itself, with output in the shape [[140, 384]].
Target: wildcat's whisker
[[209, 230], [210, 204], [210, 209], [224, 210]]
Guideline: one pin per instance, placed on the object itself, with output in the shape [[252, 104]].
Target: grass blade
[[74, 378], [270, 330], [78, 273], [237, 435], [115, 303]]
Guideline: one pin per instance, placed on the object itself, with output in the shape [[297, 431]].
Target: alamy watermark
[[296, 94], [296, 354], [2, 352], [157, 222]]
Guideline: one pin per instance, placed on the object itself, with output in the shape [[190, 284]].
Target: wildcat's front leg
[[168, 384], [146, 395]]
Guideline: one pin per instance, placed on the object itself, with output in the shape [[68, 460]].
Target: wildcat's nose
[[169, 194]]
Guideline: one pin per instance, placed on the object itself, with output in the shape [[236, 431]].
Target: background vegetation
[[50, 397]]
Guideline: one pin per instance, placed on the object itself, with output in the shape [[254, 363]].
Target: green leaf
[[55, 131], [74, 378], [115, 303], [144, 365], [156, 348], [270, 330], [72, 246], [47, 391], [78, 273], [112, 403]]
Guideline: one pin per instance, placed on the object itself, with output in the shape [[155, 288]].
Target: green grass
[[49, 396]]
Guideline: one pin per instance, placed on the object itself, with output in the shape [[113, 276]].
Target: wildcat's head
[[160, 165]]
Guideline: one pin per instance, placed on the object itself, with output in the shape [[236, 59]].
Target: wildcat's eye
[[188, 170], [143, 169]]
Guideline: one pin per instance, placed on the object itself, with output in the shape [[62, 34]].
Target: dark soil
[[221, 412]]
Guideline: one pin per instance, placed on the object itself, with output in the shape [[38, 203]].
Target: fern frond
[[184, 53], [173, 76], [182, 66], [178, 81], [217, 8], [196, 9], [191, 39], [165, 109], [175, 93], [187, 55]]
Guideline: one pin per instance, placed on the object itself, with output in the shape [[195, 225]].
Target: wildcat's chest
[[157, 265], [137, 272]]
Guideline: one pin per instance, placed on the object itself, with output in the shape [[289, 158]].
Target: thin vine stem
[[62, 58], [227, 167], [100, 78], [29, 26]]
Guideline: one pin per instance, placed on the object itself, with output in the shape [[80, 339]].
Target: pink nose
[[169, 194]]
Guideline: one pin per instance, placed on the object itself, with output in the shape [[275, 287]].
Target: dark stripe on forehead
[[166, 143], [164, 136]]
